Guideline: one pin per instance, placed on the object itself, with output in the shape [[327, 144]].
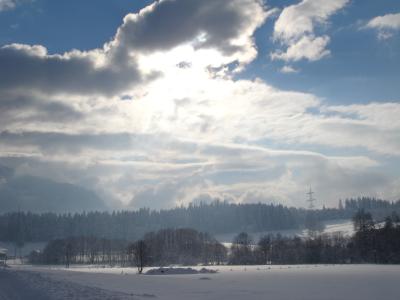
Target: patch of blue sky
[[64, 25], [360, 69]]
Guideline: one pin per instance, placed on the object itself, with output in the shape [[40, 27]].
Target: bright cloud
[[295, 29], [225, 27], [288, 69], [385, 25], [310, 48], [174, 144]]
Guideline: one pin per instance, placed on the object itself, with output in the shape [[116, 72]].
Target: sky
[[158, 104]]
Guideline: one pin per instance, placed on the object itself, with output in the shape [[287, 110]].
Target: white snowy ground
[[345, 227], [322, 282]]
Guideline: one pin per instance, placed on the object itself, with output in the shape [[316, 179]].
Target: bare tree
[[138, 254], [241, 249], [68, 253], [264, 245]]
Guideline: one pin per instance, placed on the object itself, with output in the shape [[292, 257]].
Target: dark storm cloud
[[17, 108], [63, 142], [169, 23], [29, 67]]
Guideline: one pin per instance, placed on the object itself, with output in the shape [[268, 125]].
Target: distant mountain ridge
[[5, 173], [37, 194]]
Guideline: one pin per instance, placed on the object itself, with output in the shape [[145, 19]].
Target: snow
[[322, 282], [345, 227], [35, 285]]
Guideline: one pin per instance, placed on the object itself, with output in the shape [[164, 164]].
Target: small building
[[3, 257]]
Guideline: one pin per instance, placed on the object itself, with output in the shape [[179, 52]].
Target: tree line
[[216, 218], [164, 247], [371, 243]]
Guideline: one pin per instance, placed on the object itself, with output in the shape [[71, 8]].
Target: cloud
[[176, 154], [235, 172], [7, 4], [288, 70], [190, 130], [224, 26], [24, 67], [308, 47], [389, 21], [385, 25], [295, 29], [24, 109]]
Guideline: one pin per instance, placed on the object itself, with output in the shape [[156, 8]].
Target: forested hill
[[217, 217]]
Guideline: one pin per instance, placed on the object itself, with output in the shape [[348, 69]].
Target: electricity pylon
[[311, 199]]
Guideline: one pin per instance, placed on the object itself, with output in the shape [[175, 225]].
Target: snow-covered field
[[345, 227], [308, 282], [322, 282]]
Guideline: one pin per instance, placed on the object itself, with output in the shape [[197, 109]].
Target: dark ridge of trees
[[165, 247], [217, 217], [371, 244], [376, 244], [183, 246], [277, 249], [368, 203], [378, 208], [82, 250]]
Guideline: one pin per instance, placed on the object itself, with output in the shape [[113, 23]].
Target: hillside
[[36, 194]]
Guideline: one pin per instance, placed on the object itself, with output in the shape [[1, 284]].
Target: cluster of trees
[[372, 243], [369, 204], [376, 243], [183, 246], [164, 247], [81, 250], [277, 249], [217, 217], [378, 208]]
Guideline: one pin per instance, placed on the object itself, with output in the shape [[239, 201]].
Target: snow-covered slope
[[340, 282], [343, 226]]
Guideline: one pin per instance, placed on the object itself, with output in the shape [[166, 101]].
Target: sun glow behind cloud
[[157, 124]]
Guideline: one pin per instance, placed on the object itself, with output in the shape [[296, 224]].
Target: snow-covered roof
[[3, 251]]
